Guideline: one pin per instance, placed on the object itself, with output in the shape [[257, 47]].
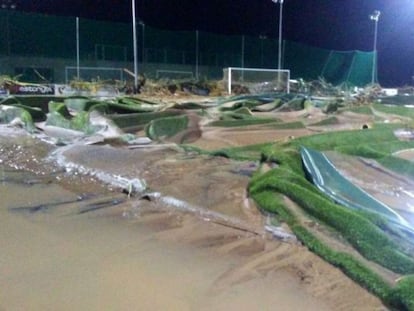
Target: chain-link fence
[[48, 44]]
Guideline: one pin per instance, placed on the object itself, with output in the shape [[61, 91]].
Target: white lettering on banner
[[43, 89]]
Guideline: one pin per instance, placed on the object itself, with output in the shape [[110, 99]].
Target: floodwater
[[72, 240], [79, 262]]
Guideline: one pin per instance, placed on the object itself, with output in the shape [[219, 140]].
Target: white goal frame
[[230, 69]]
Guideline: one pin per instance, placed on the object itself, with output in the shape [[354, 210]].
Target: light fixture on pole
[[134, 40], [279, 54], [375, 17]]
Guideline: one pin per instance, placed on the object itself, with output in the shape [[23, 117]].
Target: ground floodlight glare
[[375, 16]]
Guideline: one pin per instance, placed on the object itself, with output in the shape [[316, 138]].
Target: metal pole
[[8, 32], [242, 57], [143, 43], [77, 48], [279, 55], [197, 51], [375, 52], [242, 52], [134, 34], [375, 17]]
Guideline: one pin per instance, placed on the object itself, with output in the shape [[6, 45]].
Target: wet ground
[[395, 190], [73, 238]]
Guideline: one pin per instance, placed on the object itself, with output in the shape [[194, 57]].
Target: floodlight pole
[[242, 56], [77, 48], [279, 53], [197, 51], [375, 17], [134, 34], [279, 60]]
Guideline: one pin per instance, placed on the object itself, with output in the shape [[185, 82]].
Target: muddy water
[[82, 263], [72, 242], [212, 187], [87, 263]]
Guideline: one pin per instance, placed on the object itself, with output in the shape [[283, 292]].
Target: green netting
[[353, 67], [304, 61], [29, 34], [336, 67], [361, 70]]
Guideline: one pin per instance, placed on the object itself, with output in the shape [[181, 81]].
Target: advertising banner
[[32, 89]]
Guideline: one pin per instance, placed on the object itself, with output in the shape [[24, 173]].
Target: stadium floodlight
[[375, 17], [279, 53]]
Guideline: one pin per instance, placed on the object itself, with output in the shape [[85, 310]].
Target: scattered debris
[[404, 134], [281, 234]]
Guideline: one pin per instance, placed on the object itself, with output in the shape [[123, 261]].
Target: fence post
[[197, 51]]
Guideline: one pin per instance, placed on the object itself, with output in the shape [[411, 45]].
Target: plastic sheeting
[[327, 178]]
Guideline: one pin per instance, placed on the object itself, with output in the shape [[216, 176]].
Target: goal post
[[257, 80]]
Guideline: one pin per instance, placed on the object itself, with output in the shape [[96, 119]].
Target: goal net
[[94, 73], [256, 80]]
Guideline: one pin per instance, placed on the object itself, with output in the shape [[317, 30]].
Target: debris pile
[[174, 116]]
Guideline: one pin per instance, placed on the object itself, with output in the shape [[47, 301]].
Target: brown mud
[[88, 246]]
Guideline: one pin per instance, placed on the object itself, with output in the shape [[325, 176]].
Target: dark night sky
[[331, 24]]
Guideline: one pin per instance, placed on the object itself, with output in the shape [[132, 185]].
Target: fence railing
[[56, 37]]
